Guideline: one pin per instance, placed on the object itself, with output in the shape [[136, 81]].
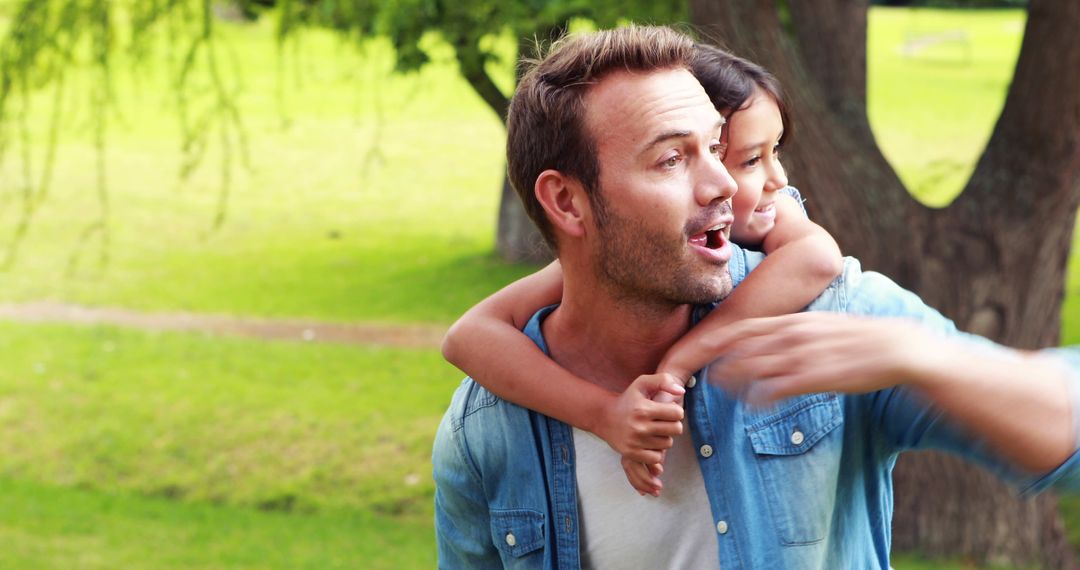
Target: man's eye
[[718, 149], [672, 162]]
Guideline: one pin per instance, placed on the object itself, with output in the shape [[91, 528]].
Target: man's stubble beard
[[644, 266]]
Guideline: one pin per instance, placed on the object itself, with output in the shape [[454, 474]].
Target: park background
[[351, 195]]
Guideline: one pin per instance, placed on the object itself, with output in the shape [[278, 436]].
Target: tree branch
[[471, 59]]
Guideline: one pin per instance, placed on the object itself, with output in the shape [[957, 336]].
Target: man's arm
[[906, 419], [462, 524], [1018, 402]]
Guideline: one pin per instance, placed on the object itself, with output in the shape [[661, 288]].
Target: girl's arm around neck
[[487, 344], [802, 260]]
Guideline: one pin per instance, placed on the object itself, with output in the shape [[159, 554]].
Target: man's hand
[[642, 423], [769, 359]]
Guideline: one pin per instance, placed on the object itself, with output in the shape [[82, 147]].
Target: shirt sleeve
[[461, 512], [1067, 475], [794, 193], [905, 420]]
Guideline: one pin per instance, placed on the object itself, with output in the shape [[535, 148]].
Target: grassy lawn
[[139, 450], [44, 526], [937, 80], [276, 425]]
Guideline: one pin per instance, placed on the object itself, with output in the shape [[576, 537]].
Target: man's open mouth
[[712, 238]]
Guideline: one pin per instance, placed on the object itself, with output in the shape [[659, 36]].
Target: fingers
[[642, 477], [672, 385], [658, 443], [655, 434], [649, 385], [663, 429], [722, 340], [668, 398], [646, 448], [759, 367], [644, 455], [636, 424], [650, 411], [764, 360]]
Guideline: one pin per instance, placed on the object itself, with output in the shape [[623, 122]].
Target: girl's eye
[[752, 162], [776, 150]]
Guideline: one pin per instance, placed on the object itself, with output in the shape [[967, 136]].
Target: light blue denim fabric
[[794, 193], [505, 479]]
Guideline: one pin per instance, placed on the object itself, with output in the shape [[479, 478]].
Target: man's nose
[[714, 183]]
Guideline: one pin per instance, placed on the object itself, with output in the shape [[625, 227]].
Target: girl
[[802, 260]]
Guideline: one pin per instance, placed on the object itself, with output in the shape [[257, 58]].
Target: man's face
[[663, 235]]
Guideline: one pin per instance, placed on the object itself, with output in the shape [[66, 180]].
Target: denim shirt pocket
[[517, 533], [797, 450]]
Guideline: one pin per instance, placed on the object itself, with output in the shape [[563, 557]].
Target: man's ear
[[564, 200]]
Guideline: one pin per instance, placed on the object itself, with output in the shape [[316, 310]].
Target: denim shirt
[[806, 483]]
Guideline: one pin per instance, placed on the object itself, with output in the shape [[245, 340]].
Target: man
[[612, 145]]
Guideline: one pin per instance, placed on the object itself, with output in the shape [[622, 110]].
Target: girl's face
[[753, 159]]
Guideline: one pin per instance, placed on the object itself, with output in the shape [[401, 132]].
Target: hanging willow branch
[[37, 50], [49, 39], [101, 100]]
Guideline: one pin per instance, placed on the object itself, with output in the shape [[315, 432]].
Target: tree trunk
[[517, 238], [994, 261]]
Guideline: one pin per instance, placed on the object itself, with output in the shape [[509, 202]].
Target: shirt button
[[511, 539], [691, 382], [706, 450], [797, 437], [721, 527]]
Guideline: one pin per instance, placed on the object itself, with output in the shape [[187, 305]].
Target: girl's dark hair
[[730, 81]]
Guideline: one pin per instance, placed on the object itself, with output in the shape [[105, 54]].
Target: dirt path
[[405, 336]]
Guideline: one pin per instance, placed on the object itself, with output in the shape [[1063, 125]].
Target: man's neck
[[611, 341]]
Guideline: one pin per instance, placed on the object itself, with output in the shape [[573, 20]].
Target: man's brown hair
[[546, 122]]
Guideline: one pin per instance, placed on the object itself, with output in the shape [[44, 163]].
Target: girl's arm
[[487, 344], [803, 259]]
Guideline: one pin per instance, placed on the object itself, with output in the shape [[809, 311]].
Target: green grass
[[937, 80], [145, 450], [44, 526], [276, 425]]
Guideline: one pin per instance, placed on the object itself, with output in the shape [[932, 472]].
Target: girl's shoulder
[[794, 193]]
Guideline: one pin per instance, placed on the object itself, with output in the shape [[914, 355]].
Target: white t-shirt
[[622, 529]]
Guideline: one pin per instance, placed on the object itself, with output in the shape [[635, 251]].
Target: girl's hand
[[645, 477], [640, 426]]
